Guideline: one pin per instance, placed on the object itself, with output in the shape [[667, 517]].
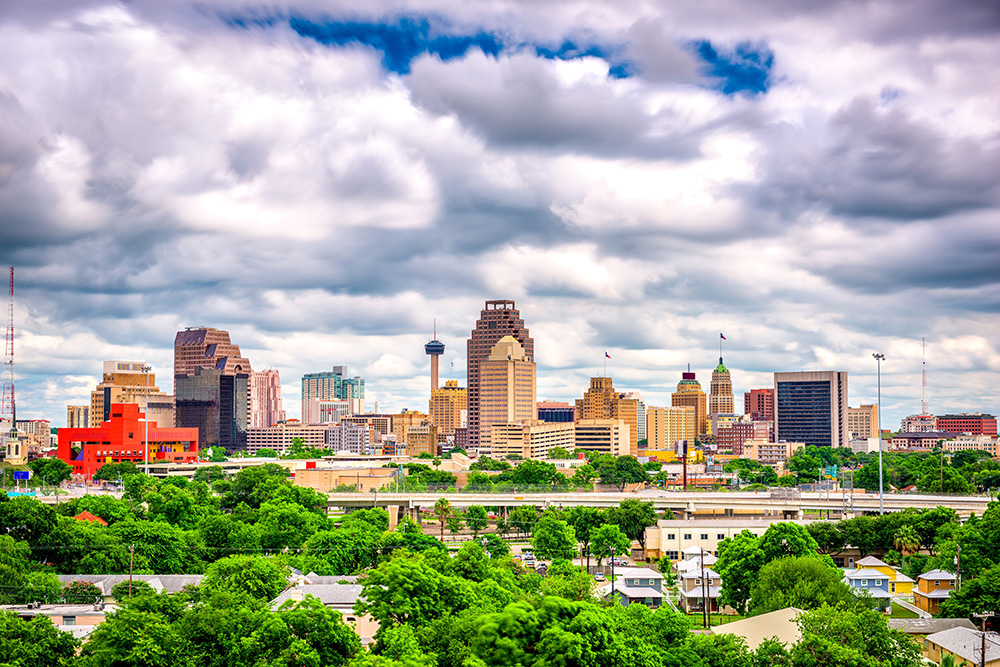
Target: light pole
[[145, 449], [879, 357]]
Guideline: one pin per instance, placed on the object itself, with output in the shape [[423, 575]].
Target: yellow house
[[899, 584]]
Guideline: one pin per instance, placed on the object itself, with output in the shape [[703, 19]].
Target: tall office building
[[640, 410], [125, 382], [556, 411], [720, 400], [689, 394], [862, 423], [811, 407], [665, 426], [77, 416], [601, 401], [335, 385], [507, 389], [205, 347], [265, 399], [498, 319], [217, 404], [759, 404], [449, 407]]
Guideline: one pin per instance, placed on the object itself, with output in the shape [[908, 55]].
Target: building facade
[[531, 439], [77, 416], [347, 437], [862, 422], [601, 401], [126, 382], [932, 589], [334, 385], [759, 404], [918, 424], [507, 390], [499, 318], [265, 399], [123, 438], [721, 400], [689, 394], [555, 411], [811, 407], [205, 347], [971, 423], [215, 403], [770, 453], [448, 408], [607, 436], [317, 411], [279, 437], [665, 426]]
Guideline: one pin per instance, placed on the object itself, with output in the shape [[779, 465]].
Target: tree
[[37, 642], [523, 519], [554, 539], [82, 592], [267, 453], [981, 594], [495, 547], [25, 518], [347, 550], [51, 470], [803, 582], [633, 517], [560, 453], [134, 637], [623, 470], [408, 590], [740, 558], [486, 463], [258, 577], [131, 589], [584, 476], [608, 541], [209, 475], [786, 539], [287, 525], [455, 523], [906, 540], [584, 520], [115, 471], [476, 519], [443, 511], [852, 636]]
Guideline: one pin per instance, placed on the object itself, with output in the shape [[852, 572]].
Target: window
[[720, 536], [687, 536], [936, 582], [69, 620], [878, 582], [864, 582], [671, 536], [697, 582], [704, 536], [652, 582], [672, 555]]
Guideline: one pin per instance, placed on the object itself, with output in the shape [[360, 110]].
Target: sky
[[815, 181]]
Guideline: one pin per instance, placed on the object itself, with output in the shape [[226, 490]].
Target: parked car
[[620, 562], [528, 557], [600, 577]]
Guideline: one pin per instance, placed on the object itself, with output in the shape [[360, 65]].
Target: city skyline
[[323, 181]]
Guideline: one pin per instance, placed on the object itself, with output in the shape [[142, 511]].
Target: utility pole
[[705, 614], [145, 453], [131, 560]]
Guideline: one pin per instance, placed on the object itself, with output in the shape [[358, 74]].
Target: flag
[[722, 337], [606, 354], [453, 364]]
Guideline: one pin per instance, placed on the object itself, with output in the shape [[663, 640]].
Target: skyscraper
[[601, 401], [721, 401], [498, 319], [507, 388], [205, 347], [265, 399], [665, 426], [689, 393], [333, 386], [811, 407], [448, 407], [759, 404], [125, 382]]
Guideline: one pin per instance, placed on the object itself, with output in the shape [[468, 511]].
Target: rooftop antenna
[[923, 364], [8, 407]]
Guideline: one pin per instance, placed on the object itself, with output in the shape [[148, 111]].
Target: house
[[932, 588], [635, 585], [872, 582], [77, 619], [694, 585], [161, 583], [964, 644], [92, 518], [676, 538], [898, 583], [694, 557], [340, 597], [780, 623]]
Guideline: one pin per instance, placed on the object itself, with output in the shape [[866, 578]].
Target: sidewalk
[[910, 607]]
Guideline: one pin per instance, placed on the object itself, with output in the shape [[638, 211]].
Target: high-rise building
[[665, 426], [918, 424], [125, 382], [434, 349], [607, 436], [811, 407], [334, 385], [862, 423], [555, 411], [498, 319], [640, 411], [730, 436], [720, 400], [317, 411], [265, 399], [449, 408], [689, 393], [759, 404], [531, 439], [77, 416], [217, 404], [205, 347], [601, 401], [506, 386]]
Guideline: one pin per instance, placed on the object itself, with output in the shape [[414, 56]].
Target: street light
[[879, 357], [145, 449]]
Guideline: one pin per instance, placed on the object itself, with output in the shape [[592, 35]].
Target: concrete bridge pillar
[[393, 515]]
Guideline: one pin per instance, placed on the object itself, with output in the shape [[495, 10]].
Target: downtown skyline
[[817, 183]]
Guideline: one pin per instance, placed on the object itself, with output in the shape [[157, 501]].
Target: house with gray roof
[[635, 585], [964, 644]]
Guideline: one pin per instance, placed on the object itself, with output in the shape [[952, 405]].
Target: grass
[[899, 612], [716, 619]]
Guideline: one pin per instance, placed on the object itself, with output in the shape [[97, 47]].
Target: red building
[[975, 424], [759, 404], [122, 438], [731, 436]]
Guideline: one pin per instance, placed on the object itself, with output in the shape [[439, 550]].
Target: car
[[600, 577], [619, 562]]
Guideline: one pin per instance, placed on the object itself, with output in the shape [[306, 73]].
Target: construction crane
[[8, 406]]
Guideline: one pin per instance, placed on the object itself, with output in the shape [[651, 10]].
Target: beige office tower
[[720, 400], [607, 436], [507, 390], [77, 416], [406, 419], [601, 401], [532, 439], [448, 408], [862, 423], [205, 347], [125, 382], [689, 393], [421, 438], [665, 426], [265, 399]]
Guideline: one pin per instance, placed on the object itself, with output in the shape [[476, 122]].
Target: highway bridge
[[788, 504]]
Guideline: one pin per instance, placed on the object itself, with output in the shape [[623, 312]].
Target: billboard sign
[[22, 474]]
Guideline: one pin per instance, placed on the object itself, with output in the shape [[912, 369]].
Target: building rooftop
[[937, 574], [871, 561], [331, 595], [966, 644], [928, 626], [780, 623]]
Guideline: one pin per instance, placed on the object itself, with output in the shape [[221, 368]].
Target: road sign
[[22, 474]]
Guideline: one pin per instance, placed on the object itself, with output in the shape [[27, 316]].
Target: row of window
[[875, 582], [704, 536]]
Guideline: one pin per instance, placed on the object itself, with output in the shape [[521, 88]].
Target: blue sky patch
[[745, 68]]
